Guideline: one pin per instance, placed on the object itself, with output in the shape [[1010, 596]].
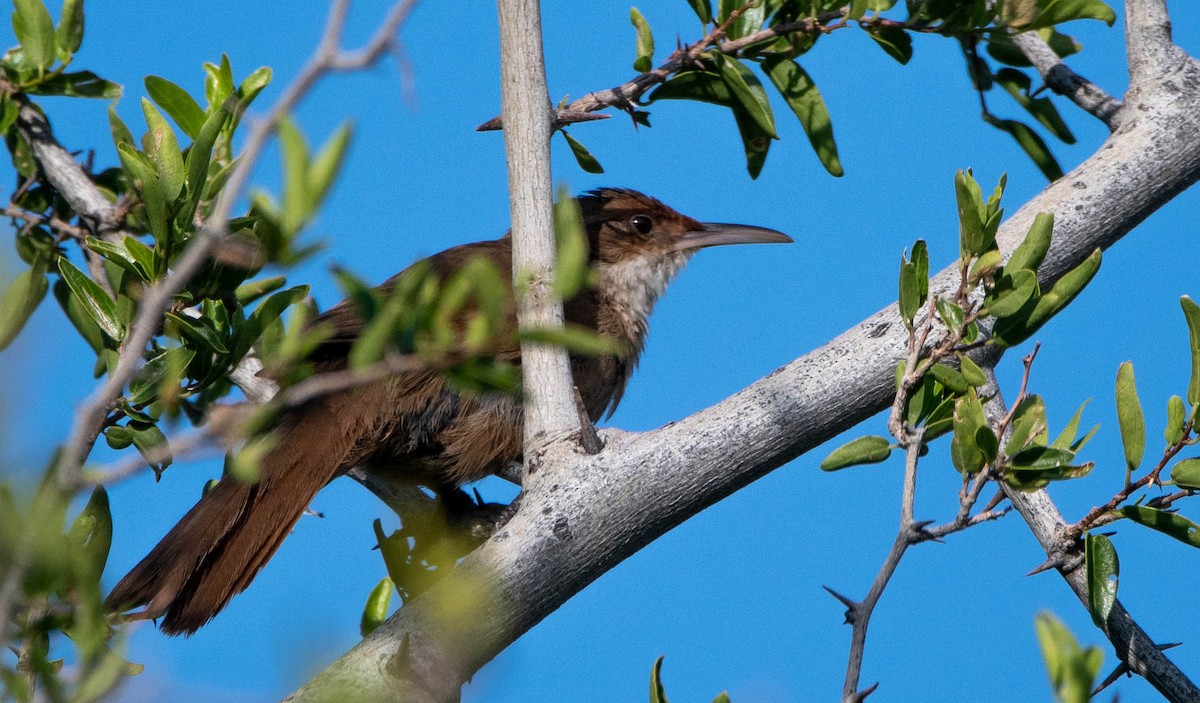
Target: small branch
[[1096, 514], [626, 95], [61, 169], [1090, 97]]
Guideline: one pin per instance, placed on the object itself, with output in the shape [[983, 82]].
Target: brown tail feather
[[218, 548]]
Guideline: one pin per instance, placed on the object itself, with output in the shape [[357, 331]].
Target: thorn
[[851, 605], [314, 513], [1121, 670], [862, 695], [1044, 566]]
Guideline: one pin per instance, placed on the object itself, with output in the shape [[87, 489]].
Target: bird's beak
[[716, 233]]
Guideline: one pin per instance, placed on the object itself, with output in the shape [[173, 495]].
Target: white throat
[[632, 286]]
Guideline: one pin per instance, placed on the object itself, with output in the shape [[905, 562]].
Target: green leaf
[[1066, 438], [298, 203], [218, 82], [166, 367], [1058, 11], [92, 530], [582, 156], [376, 609], [200, 332], [1175, 418], [657, 693], [118, 437], [894, 40], [117, 254], [1171, 524], [1030, 253], [254, 84], [970, 225], [1103, 572], [152, 444], [984, 265], [702, 86], [94, 299], [1072, 670], [120, 132], [871, 449], [950, 313], [177, 103], [1191, 313], [80, 84], [755, 142], [748, 22], [69, 35], [1019, 86], [163, 149], [1029, 423], [146, 175], [571, 272], [1186, 474], [20, 299], [253, 290], [574, 338], [1130, 418], [196, 165], [35, 32], [328, 162], [920, 259], [748, 92], [950, 378], [1016, 330], [1011, 293], [968, 420], [722, 697], [703, 9], [1033, 145], [802, 96], [910, 295], [971, 371], [645, 42]]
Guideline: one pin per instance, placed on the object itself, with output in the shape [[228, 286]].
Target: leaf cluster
[[771, 35], [941, 391]]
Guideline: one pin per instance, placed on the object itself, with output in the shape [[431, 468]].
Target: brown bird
[[413, 424]]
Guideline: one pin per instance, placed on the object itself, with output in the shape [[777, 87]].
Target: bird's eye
[[642, 223]]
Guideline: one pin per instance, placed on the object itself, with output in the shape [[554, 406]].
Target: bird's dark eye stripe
[[642, 223]]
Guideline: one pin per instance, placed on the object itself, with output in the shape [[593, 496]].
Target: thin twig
[[1096, 515], [626, 95]]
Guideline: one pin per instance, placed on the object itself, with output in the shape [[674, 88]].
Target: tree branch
[[605, 507], [1151, 52], [1062, 80], [545, 370]]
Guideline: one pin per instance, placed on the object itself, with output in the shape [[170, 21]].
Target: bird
[[415, 425]]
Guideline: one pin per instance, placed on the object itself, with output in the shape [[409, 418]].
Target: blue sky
[[733, 597]]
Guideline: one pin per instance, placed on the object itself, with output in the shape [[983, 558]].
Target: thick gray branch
[[587, 513]]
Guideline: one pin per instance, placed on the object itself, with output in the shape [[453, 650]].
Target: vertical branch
[[1148, 40], [528, 124]]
